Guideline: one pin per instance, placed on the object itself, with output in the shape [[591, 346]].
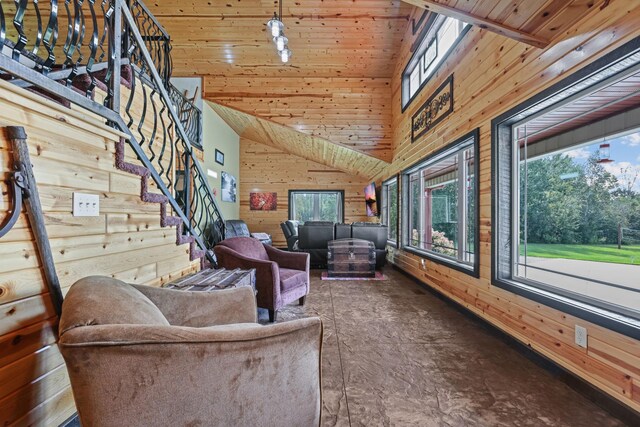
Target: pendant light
[[275, 27]]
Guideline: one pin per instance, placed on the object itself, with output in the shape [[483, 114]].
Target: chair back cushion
[[293, 226], [372, 232], [343, 231], [286, 230], [246, 246], [315, 234], [99, 300], [236, 228]]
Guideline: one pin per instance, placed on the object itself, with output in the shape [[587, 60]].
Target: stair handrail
[[130, 22]]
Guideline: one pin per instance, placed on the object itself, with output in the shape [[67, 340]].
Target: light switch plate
[[86, 204]]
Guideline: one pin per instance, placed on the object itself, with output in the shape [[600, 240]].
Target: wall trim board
[[609, 403]]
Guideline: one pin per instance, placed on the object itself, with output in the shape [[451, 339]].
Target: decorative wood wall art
[[263, 201], [435, 109]]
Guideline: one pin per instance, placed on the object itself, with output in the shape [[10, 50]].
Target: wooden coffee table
[[213, 280]]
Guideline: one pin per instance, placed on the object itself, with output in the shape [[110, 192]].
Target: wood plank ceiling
[[337, 86]]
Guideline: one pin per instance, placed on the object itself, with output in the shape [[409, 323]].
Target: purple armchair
[[281, 277]]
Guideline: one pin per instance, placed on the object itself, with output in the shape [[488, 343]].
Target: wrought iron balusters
[[70, 49]]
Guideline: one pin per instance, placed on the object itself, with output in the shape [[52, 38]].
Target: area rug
[[379, 276]]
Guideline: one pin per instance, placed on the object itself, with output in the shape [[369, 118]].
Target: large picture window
[[566, 195], [316, 205], [441, 35], [389, 209], [441, 195]]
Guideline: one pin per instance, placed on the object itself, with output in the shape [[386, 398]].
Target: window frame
[[385, 204], [458, 145], [502, 181], [340, 204], [427, 37]]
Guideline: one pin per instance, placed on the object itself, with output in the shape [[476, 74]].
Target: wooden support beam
[[483, 23]]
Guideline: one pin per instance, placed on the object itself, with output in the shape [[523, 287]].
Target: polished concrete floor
[[396, 355]]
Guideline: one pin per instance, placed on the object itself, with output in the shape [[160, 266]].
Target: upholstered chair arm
[[267, 272], [293, 260], [242, 374], [199, 309]]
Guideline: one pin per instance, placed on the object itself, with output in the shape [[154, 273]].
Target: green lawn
[[601, 253]]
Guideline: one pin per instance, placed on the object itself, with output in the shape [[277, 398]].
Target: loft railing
[[190, 115], [93, 54], [158, 43]]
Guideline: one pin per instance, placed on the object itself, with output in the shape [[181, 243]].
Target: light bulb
[[275, 26], [281, 42], [285, 55]]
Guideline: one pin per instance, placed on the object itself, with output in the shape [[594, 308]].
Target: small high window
[[437, 42]]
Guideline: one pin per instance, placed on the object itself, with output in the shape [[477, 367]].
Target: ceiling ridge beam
[[307, 152], [481, 22], [274, 122]]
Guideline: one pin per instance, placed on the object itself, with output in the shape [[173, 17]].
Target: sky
[[625, 153]]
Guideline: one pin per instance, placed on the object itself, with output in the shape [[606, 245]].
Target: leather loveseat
[[314, 238]]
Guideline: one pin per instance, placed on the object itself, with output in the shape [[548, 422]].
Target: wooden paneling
[[348, 38], [352, 112], [492, 74], [290, 141], [70, 151], [267, 169]]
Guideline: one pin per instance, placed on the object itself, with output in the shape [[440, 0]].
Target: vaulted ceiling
[[337, 86]]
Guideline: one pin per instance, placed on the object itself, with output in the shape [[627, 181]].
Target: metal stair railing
[[156, 134]]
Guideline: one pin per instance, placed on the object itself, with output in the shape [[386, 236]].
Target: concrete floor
[[395, 355]]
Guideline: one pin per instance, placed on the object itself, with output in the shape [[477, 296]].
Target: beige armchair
[[142, 356]]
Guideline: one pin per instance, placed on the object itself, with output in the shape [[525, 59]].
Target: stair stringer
[[147, 196]]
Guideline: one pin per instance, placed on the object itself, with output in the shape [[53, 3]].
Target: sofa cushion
[[98, 300], [290, 279]]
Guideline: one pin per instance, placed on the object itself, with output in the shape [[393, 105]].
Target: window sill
[[599, 316], [469, 269]]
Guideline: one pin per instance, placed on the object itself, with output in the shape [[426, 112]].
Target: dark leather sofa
[[238, 228], [314, 237]]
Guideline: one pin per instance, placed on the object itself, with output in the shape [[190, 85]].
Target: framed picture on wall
[[228, 184], [219, 157]]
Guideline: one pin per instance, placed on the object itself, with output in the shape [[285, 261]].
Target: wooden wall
[[352, 112], [267, 169], [491, 75], [70, 152]]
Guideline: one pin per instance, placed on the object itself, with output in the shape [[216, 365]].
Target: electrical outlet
[[86, 204], [581, 336]]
